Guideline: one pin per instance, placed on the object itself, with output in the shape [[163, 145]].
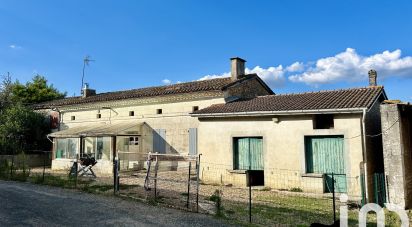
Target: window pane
[[72, 146], [103, 148], [61, 148], [89, 146], [98, 147], [67, 148]]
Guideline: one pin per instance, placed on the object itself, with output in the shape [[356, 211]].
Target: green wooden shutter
[[325, 155], [248, 152], [243, 153], [256, 153]]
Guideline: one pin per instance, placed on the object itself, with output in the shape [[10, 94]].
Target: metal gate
[[379, 188]]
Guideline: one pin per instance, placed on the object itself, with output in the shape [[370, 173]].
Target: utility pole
[[86, 62]]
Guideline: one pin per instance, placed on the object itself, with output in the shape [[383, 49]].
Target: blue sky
[[295, 46]]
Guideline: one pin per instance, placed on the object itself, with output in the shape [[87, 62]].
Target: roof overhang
[[279, 113], [93, 130]]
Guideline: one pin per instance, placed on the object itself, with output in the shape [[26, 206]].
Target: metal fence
[[291, 199]]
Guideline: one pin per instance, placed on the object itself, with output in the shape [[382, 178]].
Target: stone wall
[[396, 127], [246, 89], [31, 160]]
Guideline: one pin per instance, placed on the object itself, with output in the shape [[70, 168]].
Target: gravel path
[[24, 204]]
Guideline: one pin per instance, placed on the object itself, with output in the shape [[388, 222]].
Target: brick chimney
[[372, 77], [237, 68], [86, 91]]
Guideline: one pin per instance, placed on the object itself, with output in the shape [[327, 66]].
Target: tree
[[22, 129], [35, 91], [6, 88]]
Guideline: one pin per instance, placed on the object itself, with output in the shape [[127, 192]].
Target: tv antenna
[[86, 62]]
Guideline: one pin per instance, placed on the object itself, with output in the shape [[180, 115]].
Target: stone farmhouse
[[237, 124]]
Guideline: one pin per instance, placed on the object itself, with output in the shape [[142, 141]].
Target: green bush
[[4, 169]]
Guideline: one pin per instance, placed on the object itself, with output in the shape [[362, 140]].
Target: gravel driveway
[[24, 204]]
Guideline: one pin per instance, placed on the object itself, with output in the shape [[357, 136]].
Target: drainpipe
[[365, 166]]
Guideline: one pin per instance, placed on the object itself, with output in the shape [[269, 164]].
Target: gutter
[[288, 112]]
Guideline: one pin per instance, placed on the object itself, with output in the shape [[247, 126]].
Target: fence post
[[12, 165], [333, 198], [155, 178], [44, 164], [76, 166], [197, 182], [250, 195], [115, 175], [188, 185]]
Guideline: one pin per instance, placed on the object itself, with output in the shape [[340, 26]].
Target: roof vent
[[86, 91], [372, 77]]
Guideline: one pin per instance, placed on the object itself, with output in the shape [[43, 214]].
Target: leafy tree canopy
[[6, 87], [35, 91], [22, 129]]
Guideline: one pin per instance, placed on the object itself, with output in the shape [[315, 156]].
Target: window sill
[[237, 171], [312, 175]]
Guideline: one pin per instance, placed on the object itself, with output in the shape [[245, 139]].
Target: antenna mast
[[86, 62]]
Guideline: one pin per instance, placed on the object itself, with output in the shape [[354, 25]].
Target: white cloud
[[295, 67], [166, 81], [350, 66], [272, 75], [214, 76], [14, 46]]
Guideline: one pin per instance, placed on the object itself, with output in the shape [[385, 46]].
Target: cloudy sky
[[295, 46]]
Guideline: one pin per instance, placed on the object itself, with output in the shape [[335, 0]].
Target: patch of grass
[[296, 190], [127, 186], [55, 181], [266, 189]]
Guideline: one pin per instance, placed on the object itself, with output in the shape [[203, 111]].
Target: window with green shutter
[[325, 155], [248, 151]]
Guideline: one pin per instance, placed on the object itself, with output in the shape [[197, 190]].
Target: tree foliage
[[35, 91], [22, 128], [6, 88]]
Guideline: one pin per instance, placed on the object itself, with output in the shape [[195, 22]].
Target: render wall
[[283, 148], [175, 119]]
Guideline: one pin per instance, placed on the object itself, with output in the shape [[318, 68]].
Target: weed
[[296, 190], [217, 198]]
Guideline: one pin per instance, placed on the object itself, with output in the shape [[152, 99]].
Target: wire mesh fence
[[167, 179], [286, 198]]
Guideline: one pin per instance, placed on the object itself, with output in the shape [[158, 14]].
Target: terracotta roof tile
[[181, 88], [334, 99]]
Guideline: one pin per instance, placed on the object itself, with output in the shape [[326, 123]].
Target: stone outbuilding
[[397, 151]]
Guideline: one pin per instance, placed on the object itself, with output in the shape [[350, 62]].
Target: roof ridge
[[322, 91], [214, 84], [162, 86]]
